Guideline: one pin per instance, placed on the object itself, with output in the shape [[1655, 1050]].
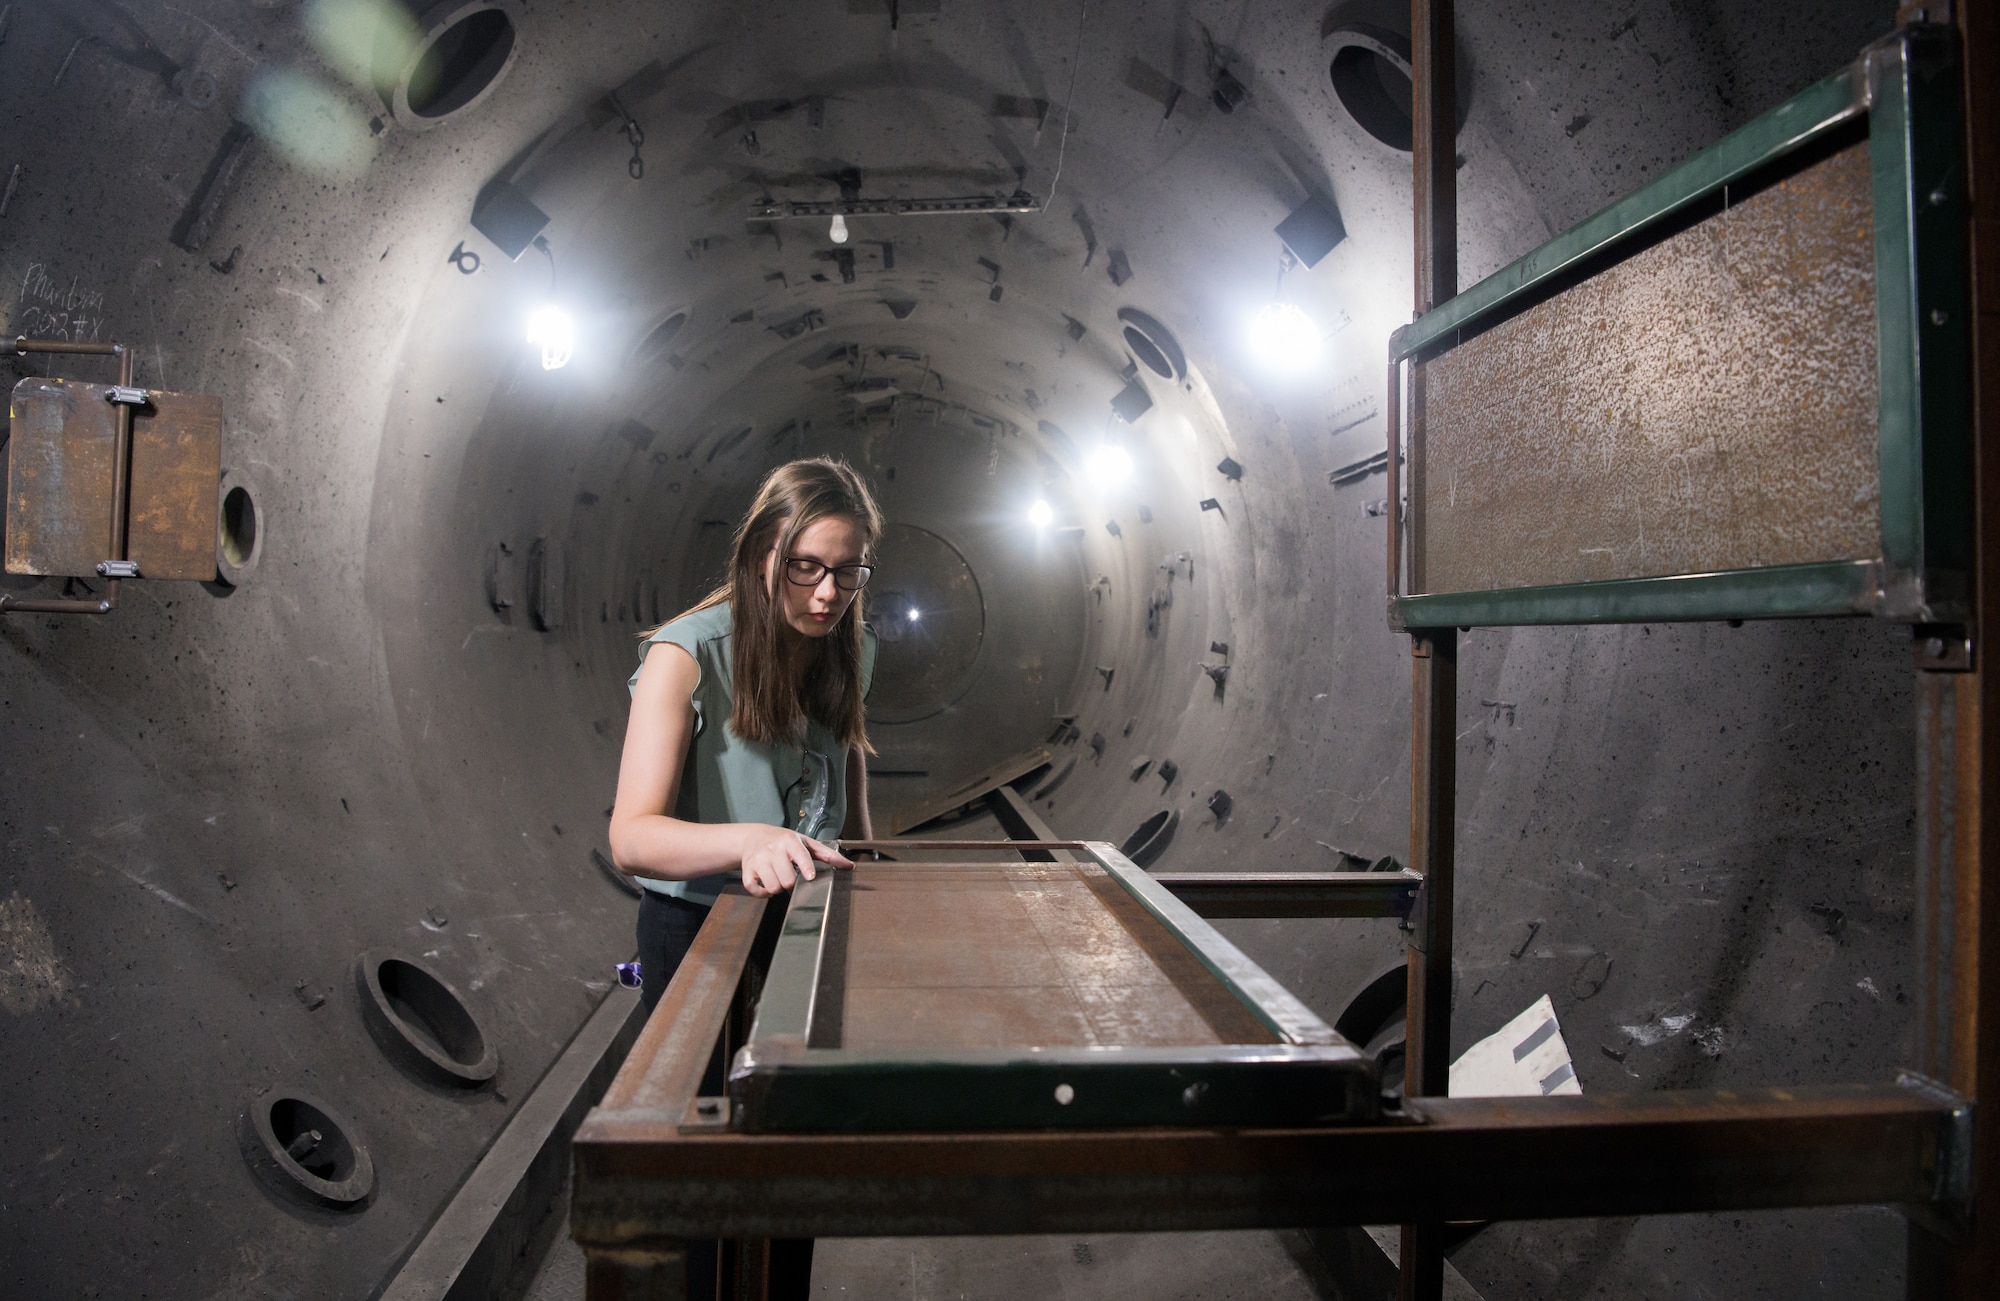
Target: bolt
[[1192, 1095], [1938, 316], [1935, 648], [1065, 1095], [301, 1147], [708, 1106]]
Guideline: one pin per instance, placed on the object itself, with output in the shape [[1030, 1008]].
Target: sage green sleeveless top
[[729, 779]]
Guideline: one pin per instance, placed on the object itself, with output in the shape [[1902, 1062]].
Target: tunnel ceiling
[[396, 732]]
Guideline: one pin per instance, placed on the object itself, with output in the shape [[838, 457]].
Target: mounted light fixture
[[551, 329], [1041, 514], [1109, 466], [837, 232], [1284, 338]]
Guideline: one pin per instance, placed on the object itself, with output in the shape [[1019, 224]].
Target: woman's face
[[814, 611]]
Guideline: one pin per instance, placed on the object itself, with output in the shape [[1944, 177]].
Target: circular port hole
[[463, 59], [1153, 344], [239, 529], [460, 53], [1371, 78], [303, 1146], [420, 1019], [1145, 845], [654, 343]]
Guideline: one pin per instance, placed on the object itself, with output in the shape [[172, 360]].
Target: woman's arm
[[859, 825], [645, 840]]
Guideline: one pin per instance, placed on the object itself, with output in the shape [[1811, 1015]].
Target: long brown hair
[[775, 693]]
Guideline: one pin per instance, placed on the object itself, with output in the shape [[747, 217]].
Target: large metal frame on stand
[[1876, 161], [657, 1166]]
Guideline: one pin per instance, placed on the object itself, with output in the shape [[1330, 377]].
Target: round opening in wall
[[1153, 344], [1371, 78], [239, 529], [420, 1019], [930, 617], [303, 1146], [654, 343], [1145, 845], [239, 525], [461, 52]]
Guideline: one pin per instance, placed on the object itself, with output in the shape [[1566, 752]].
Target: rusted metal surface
[[59, 470], [1052, 955], [638, 1175], [1707, 404], [176, 465], [1957, 998], [64, 472]]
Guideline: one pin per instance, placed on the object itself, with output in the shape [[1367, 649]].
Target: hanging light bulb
[[838, 231], [551, 329]]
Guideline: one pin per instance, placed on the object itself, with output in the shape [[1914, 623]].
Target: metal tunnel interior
[[398, 729]]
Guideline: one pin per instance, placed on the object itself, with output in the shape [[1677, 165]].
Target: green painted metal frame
[[1907, 88], [782, 1082]]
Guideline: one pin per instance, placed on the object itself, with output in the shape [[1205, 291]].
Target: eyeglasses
[[808, 573]]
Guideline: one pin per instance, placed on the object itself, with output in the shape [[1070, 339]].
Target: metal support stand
[[1434, 678], [117, 564], [1958, 757]]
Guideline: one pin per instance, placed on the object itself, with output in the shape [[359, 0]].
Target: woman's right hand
[[777, 858]]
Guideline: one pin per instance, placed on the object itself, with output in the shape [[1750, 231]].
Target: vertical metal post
[[1958, 745], [1434, 678]]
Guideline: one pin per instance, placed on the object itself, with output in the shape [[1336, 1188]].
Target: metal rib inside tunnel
[[390, 725]]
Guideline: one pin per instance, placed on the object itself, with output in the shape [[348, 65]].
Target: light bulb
[[914, 616], [1284, 337], [838, 231], [1041, 514], [551, 329], [1109, 465]]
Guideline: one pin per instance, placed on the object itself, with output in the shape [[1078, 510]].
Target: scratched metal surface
[[1707, 404], [176, 470], [59, 477], [59, 481], [1000, 955]]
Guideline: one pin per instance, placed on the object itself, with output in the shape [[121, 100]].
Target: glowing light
[[915, 615], [551, 329], [838, 231], [1109, 465], [1284, 337], [1041, 514]]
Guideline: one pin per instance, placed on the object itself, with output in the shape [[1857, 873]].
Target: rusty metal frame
[[794, 1075], [653, 1172], [121, 478], [1905, 91]]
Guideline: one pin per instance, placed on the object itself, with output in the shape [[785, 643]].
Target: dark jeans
[[667, 928]]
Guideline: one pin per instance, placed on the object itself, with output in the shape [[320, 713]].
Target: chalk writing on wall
[[50, 309]]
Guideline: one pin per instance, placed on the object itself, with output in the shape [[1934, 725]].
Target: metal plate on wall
[[59, 481], [1707, 404]]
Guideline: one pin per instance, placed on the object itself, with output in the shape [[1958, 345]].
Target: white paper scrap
[[1525, 1058]]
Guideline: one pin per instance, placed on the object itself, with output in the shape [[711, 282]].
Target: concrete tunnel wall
[[1696, 840]]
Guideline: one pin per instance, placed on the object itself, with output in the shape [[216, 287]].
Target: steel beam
[[640, 1178], [1294, 894]]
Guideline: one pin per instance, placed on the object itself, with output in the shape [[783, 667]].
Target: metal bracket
[[1943, 647], [707, 1115], [1949, 1212], [131, 397], [118, 568], [1417, 920]]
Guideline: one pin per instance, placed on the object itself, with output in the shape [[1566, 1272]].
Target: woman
[[744, 753]]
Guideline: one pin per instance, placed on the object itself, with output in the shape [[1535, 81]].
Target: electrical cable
[[1069, 97]]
